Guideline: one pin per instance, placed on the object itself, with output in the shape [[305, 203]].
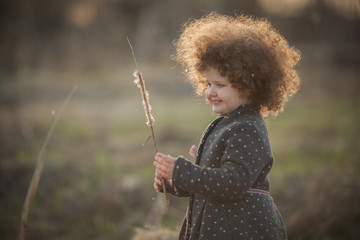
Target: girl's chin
[[217, 110]]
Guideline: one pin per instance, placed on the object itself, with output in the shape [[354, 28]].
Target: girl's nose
[[210, 91]]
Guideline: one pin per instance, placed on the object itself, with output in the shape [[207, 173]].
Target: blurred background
[[97, 178]]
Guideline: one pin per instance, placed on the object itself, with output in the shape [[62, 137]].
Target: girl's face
[[220, 93]]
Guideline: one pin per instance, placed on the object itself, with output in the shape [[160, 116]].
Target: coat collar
[[241, 110]]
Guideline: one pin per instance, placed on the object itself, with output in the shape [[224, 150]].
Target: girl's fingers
[[163, 173], [193, 151], [164, 165], [157, 175], [164, 159], [157, 188], [160, 167], [158, 158], [157, 182]]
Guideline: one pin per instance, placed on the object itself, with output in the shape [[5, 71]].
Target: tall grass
[[38, 170]]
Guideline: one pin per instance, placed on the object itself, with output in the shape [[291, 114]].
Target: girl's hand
[[157, 182], [164, 165], [193, 152]]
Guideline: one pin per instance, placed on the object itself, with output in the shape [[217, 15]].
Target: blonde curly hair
[[253, 56]]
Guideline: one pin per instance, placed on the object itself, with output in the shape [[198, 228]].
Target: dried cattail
[[141, 85], [139, 81]]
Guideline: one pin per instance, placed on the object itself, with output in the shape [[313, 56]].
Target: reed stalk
[[38, 170], [140, 83]]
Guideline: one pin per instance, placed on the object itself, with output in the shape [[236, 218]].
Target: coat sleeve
[[246, 155], [176, 191]]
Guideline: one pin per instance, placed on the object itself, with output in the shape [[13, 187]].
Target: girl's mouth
[[215, 102]]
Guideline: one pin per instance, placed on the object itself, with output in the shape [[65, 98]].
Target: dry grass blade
[[39, 166], [140, 83]]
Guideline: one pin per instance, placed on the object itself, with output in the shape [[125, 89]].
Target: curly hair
[[252, 55]]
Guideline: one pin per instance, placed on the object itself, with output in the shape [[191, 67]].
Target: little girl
[[245, 68]]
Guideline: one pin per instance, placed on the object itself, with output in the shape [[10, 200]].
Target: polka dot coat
[[234, 156]]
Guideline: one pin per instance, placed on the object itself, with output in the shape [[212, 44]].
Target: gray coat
[[234, 156]]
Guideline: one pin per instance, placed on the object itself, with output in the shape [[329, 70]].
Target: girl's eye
[[219, 85]]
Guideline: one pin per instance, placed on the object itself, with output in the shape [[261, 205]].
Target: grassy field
[[97, 178]]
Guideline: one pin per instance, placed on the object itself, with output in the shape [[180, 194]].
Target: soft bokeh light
[[284, 7], [347, 8], [81, 14]]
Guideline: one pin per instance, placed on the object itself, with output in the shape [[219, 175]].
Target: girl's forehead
[[211, 74]]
